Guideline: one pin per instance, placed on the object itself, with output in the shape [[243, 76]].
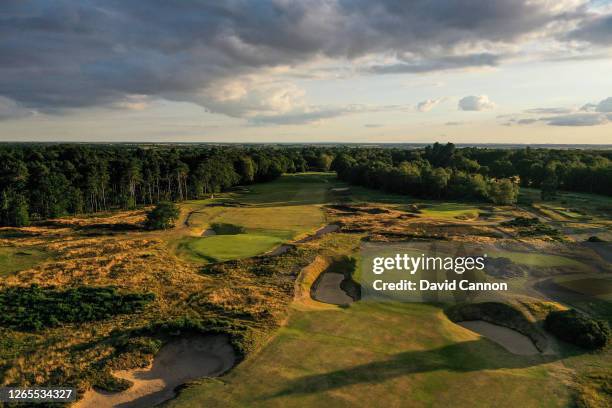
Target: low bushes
[[35, 307], [579, 329], [532, 227], [221, 228]]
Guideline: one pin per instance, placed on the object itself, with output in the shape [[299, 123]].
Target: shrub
[[162, 216], [579, 329], [227, 229], [531, 227], [34, 307]]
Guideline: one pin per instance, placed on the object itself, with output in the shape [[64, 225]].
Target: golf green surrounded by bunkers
[[266, 214]]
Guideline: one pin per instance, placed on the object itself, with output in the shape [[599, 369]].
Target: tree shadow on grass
[[460, 357]]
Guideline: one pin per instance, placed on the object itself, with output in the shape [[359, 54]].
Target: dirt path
[[177, 362], [509, 339]]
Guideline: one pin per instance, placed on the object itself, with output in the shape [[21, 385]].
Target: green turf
[[268, 214], [570, 206], [16, 259], [225, 247], [450, 210], [381, 354], [538, 259]]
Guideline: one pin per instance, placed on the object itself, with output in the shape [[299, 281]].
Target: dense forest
[[40, 181]]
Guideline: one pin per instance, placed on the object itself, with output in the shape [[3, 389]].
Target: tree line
[[40, 181], [492, 174], [47, 181]]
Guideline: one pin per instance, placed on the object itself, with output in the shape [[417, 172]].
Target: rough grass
[[14, 259]]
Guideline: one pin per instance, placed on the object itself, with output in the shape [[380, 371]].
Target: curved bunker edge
[[335, 284], [502, 323], [178, 362]]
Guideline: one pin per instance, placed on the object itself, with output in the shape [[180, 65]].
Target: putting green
[[451, 210], [218, 248]]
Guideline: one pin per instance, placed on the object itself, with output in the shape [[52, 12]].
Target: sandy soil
[[327, 289], [279, 250], [319, 233], [209, 232], [509, 339], [177, 363]]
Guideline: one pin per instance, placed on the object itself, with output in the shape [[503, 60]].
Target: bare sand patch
[[328, 289], [319, 233], [209, 232], [509, 339], [176, 363]]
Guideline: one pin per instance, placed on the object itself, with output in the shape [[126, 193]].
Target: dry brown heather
[[385, 224], [244, 298]]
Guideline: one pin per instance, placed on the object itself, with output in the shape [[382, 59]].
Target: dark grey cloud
[[550, 111], [576, 119], [595, 30], [58, 54], [438, 64], [590, 114]]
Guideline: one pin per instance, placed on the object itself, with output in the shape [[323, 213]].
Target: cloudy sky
[[487, 71]]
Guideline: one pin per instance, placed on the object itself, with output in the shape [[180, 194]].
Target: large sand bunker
[[328, 289], [177, 362], [509, 339]]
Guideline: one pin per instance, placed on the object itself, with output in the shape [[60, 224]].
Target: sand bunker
[[177, 362], [279, 250], [327, 289], [320, 232], [509, 339]]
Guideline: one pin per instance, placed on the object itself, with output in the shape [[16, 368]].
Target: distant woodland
[[39, 181]]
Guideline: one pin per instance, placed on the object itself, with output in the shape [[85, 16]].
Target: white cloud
[[429, 104], [251, 96], [475, 103]]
